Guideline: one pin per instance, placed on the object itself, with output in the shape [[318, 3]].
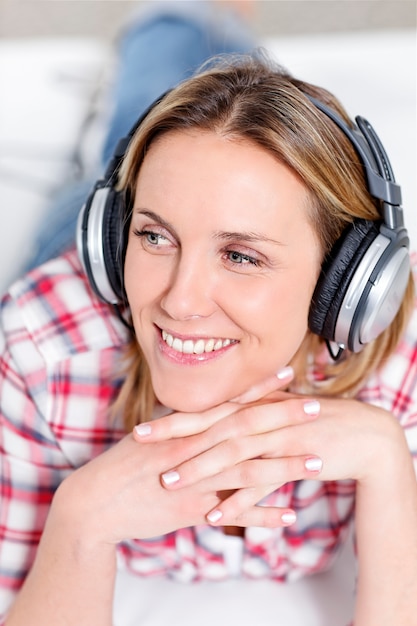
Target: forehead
[[196, 157]]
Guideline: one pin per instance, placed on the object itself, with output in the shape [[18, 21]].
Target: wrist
[[388, 454], [75, 516], [73, 574]]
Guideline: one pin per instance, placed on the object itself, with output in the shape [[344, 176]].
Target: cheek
[[286, 299], [281, 311], [275, 314], [285, 324], [144, 278]]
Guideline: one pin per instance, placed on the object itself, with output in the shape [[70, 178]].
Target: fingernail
[[214, 516], [313, 464], [288, 518], [286, 372], [143, 430], [171, 477], [312, 407]]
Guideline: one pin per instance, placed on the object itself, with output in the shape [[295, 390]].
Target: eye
[[152, 239], [239, 258]]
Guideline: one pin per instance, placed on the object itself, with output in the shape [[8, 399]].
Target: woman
[[235, 189]]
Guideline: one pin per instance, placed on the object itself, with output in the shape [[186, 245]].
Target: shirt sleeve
[[31, 463]]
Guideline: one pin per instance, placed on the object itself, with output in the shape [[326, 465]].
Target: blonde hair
[[252, 99]]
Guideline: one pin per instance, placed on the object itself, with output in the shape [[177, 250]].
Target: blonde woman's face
[[220, 267]]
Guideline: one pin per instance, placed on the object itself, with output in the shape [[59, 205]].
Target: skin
[[240, 435], [235, 260]]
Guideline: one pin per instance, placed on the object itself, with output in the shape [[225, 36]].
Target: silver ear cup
[[385, 297], [90, 243], [79, 236], [374, 295]]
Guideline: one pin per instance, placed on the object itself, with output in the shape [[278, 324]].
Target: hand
[[119, 494], [258, 448]]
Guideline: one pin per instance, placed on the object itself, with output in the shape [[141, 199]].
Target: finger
[[282, 378], [227, 443], [243, 509], [263, 418], [176, 425], [253, 473]]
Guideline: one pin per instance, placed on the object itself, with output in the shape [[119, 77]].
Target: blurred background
[[57, 61], [102, 18]]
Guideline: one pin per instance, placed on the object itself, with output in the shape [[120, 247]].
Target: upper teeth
[[189, 346]]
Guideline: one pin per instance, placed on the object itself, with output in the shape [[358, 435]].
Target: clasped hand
[[247, 448], [215, 466]]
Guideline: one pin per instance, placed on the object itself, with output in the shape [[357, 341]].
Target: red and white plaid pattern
[[60, 349]]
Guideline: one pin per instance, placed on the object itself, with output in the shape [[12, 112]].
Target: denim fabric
[[167, 44]]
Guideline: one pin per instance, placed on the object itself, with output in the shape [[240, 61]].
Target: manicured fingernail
[[313, 464], [288, 518], [214, 516], [143, 430], [312, 407], [171, 477], [286, 372]]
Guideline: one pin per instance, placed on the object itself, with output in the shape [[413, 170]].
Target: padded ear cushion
[[336, 275], [113, 241]]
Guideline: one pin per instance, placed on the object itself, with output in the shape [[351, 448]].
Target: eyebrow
[[157, 218], [249, 237]]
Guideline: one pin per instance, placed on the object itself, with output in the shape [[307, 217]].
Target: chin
[[188, 405], [189, 402]]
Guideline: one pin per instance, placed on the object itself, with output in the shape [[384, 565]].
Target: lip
[[183, 358]]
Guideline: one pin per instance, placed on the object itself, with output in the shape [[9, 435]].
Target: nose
[[190, 292]]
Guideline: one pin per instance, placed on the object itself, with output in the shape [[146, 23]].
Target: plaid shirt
[[60, 348]]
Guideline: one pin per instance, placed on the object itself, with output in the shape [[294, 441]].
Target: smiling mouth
[[199, 346]]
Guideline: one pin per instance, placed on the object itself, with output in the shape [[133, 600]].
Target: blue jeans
[[165, 44]]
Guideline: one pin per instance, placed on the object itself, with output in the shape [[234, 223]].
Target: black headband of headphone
[[362, 281], [379, 175]]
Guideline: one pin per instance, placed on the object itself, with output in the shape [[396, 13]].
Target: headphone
[[362, 281]]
